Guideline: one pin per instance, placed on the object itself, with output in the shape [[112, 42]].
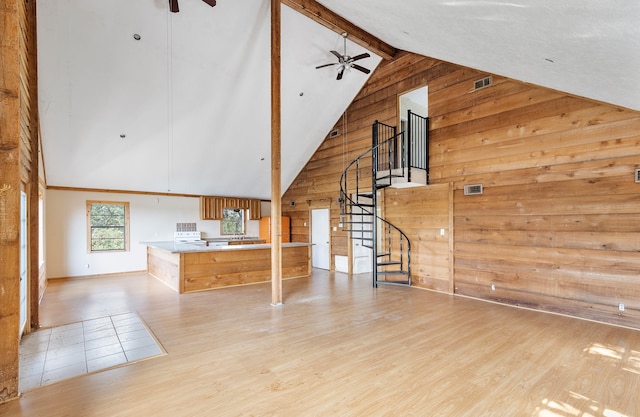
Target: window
[[232, 221], [107, 226]]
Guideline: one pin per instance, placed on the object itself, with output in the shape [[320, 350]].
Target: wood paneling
[[166, 267], [556, 228], [198, 271], [208, 270], [18, 168], [9, 201], [422, 213]]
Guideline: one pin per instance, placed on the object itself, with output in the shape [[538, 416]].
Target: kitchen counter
[[178, 247], [189, 267]]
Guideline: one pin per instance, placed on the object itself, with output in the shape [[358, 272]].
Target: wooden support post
[[34, 200], [276, 180], [9, 199]]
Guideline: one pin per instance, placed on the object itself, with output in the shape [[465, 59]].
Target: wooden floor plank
[[338, 347]]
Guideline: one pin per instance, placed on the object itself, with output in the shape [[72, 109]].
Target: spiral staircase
[[396, 159]]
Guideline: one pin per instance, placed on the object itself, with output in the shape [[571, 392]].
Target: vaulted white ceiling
[[192, 96]]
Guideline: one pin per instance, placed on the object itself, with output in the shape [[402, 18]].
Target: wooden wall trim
[[100, 190]]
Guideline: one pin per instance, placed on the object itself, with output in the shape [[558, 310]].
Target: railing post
[[409, 143], [374, 202], [426, 150]]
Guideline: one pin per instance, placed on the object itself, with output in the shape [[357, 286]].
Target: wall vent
[[475, 189], [334, 133], [638, 175], [485, 82]]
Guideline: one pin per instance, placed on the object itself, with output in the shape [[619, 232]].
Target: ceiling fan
[[346, 61], [173, 5]]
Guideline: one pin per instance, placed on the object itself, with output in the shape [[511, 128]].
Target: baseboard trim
[[113, 274]]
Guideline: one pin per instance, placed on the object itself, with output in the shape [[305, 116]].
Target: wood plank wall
[[18, 157], [558, 225], [422, 213]]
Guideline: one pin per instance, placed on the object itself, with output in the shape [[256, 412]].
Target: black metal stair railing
[[360, 180]]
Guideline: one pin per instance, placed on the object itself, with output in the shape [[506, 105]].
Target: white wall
[[152, 218]]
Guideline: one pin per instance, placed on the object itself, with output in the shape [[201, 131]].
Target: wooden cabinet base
[[199, 271]]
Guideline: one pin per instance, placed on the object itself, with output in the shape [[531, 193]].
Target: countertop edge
[[173, 247]]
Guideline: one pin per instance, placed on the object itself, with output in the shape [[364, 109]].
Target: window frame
[[126, 225], [244, 221]]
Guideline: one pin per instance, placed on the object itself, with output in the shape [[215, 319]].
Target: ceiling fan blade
[[340, 73], [210, 2], [361, 56], [359, 68], [326, 65], [173, 6], [337, 55]]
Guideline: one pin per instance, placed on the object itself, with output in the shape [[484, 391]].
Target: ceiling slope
[[185, 109], [587, 48]]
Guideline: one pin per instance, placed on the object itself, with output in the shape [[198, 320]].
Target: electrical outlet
[[493, 287], [621, 307], [88, 266]]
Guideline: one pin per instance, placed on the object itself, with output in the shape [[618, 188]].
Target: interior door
[[320, 238]]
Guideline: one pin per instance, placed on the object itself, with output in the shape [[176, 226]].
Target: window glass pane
[[108, 226], [232, 221]]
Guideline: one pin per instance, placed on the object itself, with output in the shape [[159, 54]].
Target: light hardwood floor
[[340, 348]]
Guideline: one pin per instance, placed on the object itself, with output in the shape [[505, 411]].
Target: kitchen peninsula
[[187, 267]]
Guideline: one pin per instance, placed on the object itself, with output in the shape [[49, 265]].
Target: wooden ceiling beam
[[318, 13]]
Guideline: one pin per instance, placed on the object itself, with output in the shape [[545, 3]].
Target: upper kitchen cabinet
[[211, 207]]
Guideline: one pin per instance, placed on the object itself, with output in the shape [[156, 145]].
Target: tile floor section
[[51, 355]]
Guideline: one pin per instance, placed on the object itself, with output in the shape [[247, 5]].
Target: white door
[[23, 262], [320, 238]]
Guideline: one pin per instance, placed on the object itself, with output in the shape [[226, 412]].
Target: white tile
[[33, 346], [29, 382], [64, 373], [32, 365], [63, 359], [142, 353], [65, 339], [106, 362], [66, 350], [100, 342], [99, 334], [138, 343], [98, 326], [102, 351], [67, 328]]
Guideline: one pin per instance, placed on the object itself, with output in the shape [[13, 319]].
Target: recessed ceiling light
[[136, 36]]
